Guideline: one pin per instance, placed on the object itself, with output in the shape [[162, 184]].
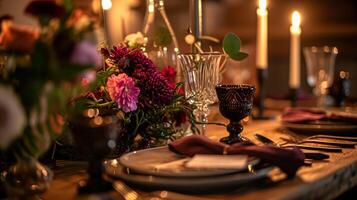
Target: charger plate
[[322, 127], [144, 162], [205, 184]]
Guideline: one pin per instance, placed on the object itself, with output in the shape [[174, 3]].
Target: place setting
[[179, 100], [196, 164]]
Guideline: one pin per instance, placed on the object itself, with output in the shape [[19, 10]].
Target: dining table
[[323, 179]]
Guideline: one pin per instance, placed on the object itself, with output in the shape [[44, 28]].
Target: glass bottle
[[161, 44]]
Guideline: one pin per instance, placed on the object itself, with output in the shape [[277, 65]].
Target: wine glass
[[235, 103], [95, 138], [320, 63], [201, 75]]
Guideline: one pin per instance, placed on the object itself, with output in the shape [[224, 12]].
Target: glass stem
[[201, 114]]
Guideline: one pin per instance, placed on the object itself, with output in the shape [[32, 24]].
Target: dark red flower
[[44, 8], [181, 118], [104, 52], [155, 89], [169, 73], [129, 60]]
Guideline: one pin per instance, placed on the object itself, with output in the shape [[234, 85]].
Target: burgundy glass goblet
[[235, 103], [95, 138]]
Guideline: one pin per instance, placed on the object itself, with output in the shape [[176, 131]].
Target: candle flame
[[106, 4], [151, 6], [295, 19], [262, 4]]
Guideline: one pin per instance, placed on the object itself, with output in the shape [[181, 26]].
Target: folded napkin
[[297, 115], [288, 160]]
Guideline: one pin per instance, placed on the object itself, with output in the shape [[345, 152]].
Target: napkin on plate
[[299, 115], [288, 160]]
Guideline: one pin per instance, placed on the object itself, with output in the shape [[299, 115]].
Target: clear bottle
[[161, 44]]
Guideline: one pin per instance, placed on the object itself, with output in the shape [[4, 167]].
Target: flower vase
[[26, 179], [161, 45]]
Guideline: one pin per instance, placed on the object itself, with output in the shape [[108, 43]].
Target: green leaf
[[40, 59], [68, 71], [101, 77], [67, 4], [239, 56], [231, 43]]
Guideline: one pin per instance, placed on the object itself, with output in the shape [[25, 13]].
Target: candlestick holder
[[294, 96], [262, 75]]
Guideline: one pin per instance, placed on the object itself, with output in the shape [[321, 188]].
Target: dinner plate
[[322, 127], [206, 184], [145, 162]]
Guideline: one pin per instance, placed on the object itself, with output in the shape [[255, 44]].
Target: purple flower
[[85, 53], [123, 91]]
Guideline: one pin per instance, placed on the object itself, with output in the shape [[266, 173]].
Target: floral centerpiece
[[151, 104], [40, 71]]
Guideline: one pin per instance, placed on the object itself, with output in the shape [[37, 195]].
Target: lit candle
[[295, 31], [106, 4], [262, 36]]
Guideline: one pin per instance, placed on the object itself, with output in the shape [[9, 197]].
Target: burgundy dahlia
[[129, 60], [156, 89]]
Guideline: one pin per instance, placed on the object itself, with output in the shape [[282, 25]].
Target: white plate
[[207, 184], [322, 128], [144, 162]]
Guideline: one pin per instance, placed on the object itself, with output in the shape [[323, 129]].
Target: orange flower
[[19, 38]]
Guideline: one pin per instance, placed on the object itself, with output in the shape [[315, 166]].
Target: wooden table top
[[323, 180]]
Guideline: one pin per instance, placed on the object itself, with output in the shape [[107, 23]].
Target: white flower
[[135, 39], [12, 117]]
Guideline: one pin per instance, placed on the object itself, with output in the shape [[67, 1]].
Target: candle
[[262, 36], [106, 4], [295, 31]]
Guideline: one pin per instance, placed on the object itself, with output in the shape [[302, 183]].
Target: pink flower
[[123, 91]]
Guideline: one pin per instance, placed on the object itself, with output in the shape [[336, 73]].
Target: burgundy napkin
[[297, 115], [288, 160]]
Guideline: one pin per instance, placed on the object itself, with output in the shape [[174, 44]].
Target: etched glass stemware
[[320, 63], [201, 75], [235, 103]]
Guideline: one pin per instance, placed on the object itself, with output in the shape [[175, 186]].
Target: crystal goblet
[[235, 103], [201, 75]]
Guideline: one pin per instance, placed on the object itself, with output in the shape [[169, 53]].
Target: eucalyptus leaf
[[231, 43], [239, 56], [231, 46]]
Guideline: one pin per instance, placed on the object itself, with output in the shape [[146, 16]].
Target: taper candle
[[262, 36], [295, 31]]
